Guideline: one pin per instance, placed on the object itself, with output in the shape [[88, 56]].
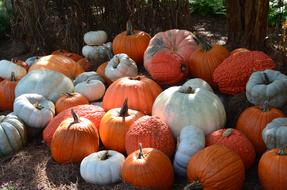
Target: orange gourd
[[7, 93], [69, 100], [101, 72], [75, 138], [114, 126]]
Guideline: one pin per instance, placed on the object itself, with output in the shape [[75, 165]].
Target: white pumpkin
[[190, 141], [12, 134], [267, 85], [275, 133], [182, 106], [31, 60], [95, 38], [7, 67], [198, 83], [85, 76], [34, 109], [98, 54], [48, 83], [102, 168], [121, 65], [92, 89]]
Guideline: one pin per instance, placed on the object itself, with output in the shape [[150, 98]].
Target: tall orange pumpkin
[[148, 168], [131, 42], [216, 167], [272, 169], [69, 100], [58, 63], [235, 141], [7, 93], [91, 112], [204, 61], [253, 120], [74, 139], [140, 90], [114, 126]]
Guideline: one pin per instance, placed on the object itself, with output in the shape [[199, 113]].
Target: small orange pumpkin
[[148, 168], [69, 100], [7, 93], [114, 126], [253, 120], [101, 72], [74, 139], [131, 42]]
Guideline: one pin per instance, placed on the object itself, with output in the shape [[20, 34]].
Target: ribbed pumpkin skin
[[203, 63], [70, 100], [7, 94], [235, 141], [152, 133], [168, 68], [133, 45], [233, 73], [252, 121], [140, 91], [272, 170], [154, 171], [216, 167], [59, 63], [113, 128], [72, 142], [101, 72], [91, 112]]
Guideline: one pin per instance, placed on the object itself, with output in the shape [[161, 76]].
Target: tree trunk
[[247, 23]]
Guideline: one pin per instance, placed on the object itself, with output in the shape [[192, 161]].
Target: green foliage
[[208, 7], [277, 13]]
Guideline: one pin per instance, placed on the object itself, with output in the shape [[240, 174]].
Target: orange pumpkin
[[59, 52], [253, 120], [238, 50], [204, 61], [76, 57], [216, 167], [114, 126], [272, 169], [140, 90], [7, 93], [74, 139], [58, 63], [148, 168], [101, 72], [91, 112], [85, 64], [235, 141], [69, 100], [131, 42], [152, 133]]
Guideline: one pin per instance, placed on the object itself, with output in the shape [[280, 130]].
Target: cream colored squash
[[92, 89], [7, 67], [198, 83], [95, 38]]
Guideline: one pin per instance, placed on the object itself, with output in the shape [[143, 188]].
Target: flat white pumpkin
[[275, 133], [95, 38], [121, 65], [182, 106], [190, 141], [92, 89], [198, 83], [34, 109], [7, 67], [98, 53], [102, 168]]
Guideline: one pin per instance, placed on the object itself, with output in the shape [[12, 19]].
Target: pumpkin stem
[[13, 78], [265, 107], [282, 151], [141, 153], [186, 90], [129, 28], [195, 185], [68, 94], [266, 79], [105, 156], [75, 116], [124, 109], [116, 61], [200, 41], [183, 68], [38, 106], [227, 132], [135, 78]]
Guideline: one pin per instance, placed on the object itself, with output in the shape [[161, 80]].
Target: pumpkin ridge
[[8, 140], [19, 133]]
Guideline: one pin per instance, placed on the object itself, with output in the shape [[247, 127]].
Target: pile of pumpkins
[[122, 125]]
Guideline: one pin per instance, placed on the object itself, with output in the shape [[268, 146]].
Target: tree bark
[[247, 23]]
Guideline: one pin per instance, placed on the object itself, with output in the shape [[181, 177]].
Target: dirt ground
[[32, 168]]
